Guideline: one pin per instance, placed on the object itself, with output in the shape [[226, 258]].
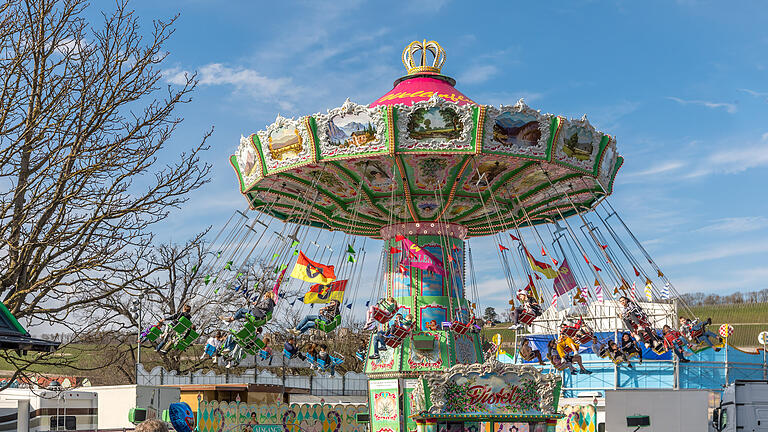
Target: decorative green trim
[[554, 132], [257, 145], [12, 319]]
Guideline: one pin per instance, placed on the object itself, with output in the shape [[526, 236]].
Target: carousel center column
[[434, 294]]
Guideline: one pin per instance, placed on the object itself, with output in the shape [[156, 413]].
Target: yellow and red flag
[[310, 271], [325, 293], [541, 267]]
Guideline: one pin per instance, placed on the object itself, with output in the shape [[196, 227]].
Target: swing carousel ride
[[426, 169]]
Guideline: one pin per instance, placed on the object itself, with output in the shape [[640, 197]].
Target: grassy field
[[747, 319]]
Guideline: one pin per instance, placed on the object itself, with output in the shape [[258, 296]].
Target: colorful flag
[[503, 248], [279, 280], [633, 292], [228, 265], [394, 250], [421, 258], [319, 293], [637, 273], [564, 281], [541, 267], [294, 244], [665, 292], [648, 290], [543, 252], [514, 238], [350, 249], [661, 275], [351, 259], [597, 268], [531, 288], [599, 291], [554, 300], [310, 271]]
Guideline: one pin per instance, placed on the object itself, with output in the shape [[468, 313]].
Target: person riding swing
[[528, 310], [327, 315]]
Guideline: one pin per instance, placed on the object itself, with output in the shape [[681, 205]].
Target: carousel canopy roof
[[424, 152]]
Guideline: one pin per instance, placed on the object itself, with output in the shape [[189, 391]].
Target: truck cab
[[743, 407]]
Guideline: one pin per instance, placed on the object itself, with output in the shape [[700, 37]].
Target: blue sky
[[682, 85]]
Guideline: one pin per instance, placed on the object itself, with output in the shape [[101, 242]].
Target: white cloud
[[729, 107], [477, 74], [660, 168], [757, 94], [243, 79], [716, 251], [732, 162], [737, 224]]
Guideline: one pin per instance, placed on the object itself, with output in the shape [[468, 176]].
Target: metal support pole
[[765, 367], [726, 361], [138, 345]]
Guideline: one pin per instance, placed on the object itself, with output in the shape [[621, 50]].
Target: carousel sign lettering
[[482, 394]]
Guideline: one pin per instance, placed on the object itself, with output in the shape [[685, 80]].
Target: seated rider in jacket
[[327, 314], [527, 304]]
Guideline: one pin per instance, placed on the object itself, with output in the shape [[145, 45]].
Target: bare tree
[[83, 122]]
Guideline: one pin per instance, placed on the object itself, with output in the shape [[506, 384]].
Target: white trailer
[[116, 401], [743, 408], [657, 410], [38, 410]]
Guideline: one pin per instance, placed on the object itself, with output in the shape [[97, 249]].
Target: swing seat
[[311, 360], [659, 349], [263, 354], [182, 325], [460, 328], [152, 334], [584, 335], [603, 353], [526, 317], [695, 334], [571, 330], [399, 331], [328, 326], [288, 355], [259, 322], [383, 314], [187, 340], [560, 367], [248, 339], [360, 355], [393, 342]]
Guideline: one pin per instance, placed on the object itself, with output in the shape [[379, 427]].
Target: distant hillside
[[747, 319]]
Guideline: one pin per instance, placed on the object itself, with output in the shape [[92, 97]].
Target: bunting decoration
[[351, 259], [503, 248], [637, 273], [276, 288], [228, 265], [394, 250], [320, 293], [599, 291], [633, 292], [310, 271], [665, 292], [648, 290], [515, 238], [350, 249], [554, 300], [661, 275]]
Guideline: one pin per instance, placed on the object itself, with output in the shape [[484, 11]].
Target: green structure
[[424, 168]]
